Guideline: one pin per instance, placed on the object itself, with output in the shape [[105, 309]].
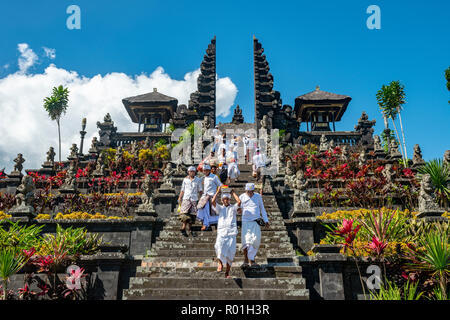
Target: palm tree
[[56, 105], [390, 99], [447, 77]]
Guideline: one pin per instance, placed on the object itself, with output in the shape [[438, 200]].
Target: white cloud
[[26, 128], [27, 57], [6, 66], [49, 52]]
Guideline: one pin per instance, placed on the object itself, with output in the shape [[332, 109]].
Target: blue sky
[[307, 43]]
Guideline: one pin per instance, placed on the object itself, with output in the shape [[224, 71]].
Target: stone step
[[216, 294], [219, 283], [208, 270], [186, 253], [211, 238], [213, 234], [205, 245], [238, 259]]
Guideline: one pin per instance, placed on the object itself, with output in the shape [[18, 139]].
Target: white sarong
[[233, 171], [251, 238], [225, 248], [204, 215]]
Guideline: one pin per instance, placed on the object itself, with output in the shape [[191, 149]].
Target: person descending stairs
[[184, 267]]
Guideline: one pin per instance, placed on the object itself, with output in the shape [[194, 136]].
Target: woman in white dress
[[227, 231]]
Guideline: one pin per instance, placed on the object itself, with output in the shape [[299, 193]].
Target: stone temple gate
[[318, 110]]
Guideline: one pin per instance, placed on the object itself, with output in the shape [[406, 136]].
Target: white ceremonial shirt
[[191, 188], [210, 184], [259, 160], [226, 225], [253, 208]]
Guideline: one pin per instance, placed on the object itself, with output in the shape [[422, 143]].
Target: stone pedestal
[[145, 210], [165, 200], [22, 213], [13, 181], [380, 154], [330, 264], [67, 190], [47, 169]]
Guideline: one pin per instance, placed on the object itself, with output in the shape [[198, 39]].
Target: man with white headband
[[252, 209], [191, 188], [259, 162], [210, 184], [226, 229]]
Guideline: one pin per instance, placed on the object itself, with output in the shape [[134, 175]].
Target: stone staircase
[[180, 267]]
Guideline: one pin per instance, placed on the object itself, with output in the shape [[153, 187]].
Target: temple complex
[[126, 187]]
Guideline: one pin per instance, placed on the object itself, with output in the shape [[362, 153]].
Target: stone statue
[[134, 149], [394, 153], [417, 156], [167, 175], [51, 155], [107, 118], [447, 158], [362, 159], [19, 163], [331, 146], [100, 166], [119, 154], [206, 123], [94, 145], [323, 143], [265, 122], [73, 151], [344, 153], [427, 198], [147, 143], [180, 168], [24, 196], [147, 199], [377, 144], [301, 199], [289, 178], [70, 182]]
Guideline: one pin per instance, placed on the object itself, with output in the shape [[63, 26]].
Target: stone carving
[[73, 152], [100, 166], [24, 197], [289, 178], [323, 143], [119, 154], [301, 199], [427, 198], [180, 168], [107, 131], [147, 143], [331, 146], [70, 182], [394, 153], [377, 144], [237, 116], [206, 123], [167, 176], [447, 158], [94, 145], [134, 149], [19, 163], [265, 122], [417, 156], [147, 200], [387, 174], [362, 159], [365, 127], [51, 155], [344, 153]]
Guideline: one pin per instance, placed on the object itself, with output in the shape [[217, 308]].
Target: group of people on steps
[[199, 199]]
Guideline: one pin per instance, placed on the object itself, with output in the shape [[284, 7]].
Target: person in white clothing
[[191, 188], [259, 162], [210, 184], [227, 231], [252, 209]]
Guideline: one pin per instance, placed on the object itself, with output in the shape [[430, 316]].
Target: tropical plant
[[56, 105], [440, 175], [390, 291], [11, 261], [432, 255], [391, 98], [19, 236]]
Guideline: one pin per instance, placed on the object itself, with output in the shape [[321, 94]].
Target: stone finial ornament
[[417, 156], [19, 163], [427, 198]]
